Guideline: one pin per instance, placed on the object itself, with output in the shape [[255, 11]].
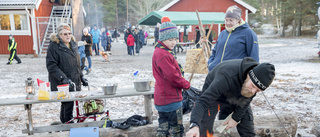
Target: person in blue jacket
[[95, 32], [82, 55], [236, 41]]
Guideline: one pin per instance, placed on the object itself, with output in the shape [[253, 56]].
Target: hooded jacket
[[237, 44], [104, 39], [130, 40], [95, 35], [169, 81], [223, 84], [63, 62]]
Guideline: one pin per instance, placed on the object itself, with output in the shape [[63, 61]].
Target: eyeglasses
[[65, 34]]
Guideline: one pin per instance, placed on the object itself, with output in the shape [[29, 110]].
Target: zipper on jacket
[[224, 48], [177, 91]]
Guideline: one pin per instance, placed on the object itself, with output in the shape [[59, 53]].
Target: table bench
[[124, 92]]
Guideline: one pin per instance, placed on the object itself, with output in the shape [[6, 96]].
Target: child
[[169, 81], [130, 42], [82, 54], [12, 47]]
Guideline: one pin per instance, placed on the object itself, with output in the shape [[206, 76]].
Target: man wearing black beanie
[[231, 85]]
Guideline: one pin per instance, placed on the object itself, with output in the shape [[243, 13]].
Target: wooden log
[[193, 61], [265, 126], [269, 126]]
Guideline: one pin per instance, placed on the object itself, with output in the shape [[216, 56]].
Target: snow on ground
[[294, 90]]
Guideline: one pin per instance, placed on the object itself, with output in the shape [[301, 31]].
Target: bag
[[44, 90], [93, 106], [189, 98], [136, 120]]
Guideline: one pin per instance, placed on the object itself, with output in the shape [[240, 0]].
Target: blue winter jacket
[[95, 35], [81, 52], [241, 42]]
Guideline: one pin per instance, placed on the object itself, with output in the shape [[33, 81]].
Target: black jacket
[[223, 84], [88, 49], [63, 62]]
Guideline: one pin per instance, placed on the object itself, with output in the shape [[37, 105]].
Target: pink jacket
[[169, 81]]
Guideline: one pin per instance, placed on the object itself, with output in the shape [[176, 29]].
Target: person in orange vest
[[12, 47]]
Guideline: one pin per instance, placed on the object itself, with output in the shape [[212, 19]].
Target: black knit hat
[[262, 75]]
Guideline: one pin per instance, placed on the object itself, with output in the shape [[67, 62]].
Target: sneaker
[[88, 71], [137, 54], [19, 62], [9, 63]]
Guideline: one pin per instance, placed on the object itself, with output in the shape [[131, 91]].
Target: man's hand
[[85, 43], [193, 132], [231, 123]]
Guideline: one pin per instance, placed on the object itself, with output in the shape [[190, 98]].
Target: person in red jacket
[[130, 42], [168, 74]]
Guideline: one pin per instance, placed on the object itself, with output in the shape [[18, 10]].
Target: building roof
[[244, 4], [183, 18], [19, 4]]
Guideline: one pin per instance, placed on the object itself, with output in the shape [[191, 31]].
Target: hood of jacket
[[54, 37], [130, 36]]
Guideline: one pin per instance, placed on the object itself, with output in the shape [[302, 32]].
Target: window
[[5, 22], [14, 22], [20, 22]]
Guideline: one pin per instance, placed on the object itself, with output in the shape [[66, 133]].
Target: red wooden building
[[27, 21], [208, 6]]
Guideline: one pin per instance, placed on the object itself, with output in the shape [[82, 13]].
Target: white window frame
[[13, 31]]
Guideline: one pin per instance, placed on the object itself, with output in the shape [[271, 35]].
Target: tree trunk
[[298, 33], [117, 15], [284, 20], [77, 18], [294, 27]]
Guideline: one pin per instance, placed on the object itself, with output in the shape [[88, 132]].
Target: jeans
[[137, 47], [171, 120], [95, 47], [89, 62], [131, 51]]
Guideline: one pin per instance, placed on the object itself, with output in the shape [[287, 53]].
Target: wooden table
[[125, 92]]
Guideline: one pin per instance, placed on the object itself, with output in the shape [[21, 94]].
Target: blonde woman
[[63, 64]]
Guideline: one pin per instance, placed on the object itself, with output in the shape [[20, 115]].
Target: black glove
[[68, 81], [84, 81]]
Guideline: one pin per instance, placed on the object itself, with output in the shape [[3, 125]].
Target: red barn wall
[[205, 6]]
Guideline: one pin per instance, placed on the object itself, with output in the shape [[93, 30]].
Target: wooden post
[[205, 47], [77, 18]]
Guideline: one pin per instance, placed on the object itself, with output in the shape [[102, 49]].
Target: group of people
[[235, 77], [134, 36], [91, 41]]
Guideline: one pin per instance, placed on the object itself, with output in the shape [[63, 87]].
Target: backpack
[[189, 98], [93, 106]]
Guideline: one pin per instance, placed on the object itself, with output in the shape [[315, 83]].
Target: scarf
[[235, 26], [160, 45]]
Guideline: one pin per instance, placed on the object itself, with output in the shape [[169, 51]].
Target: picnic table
[[124, 92], [188, 44]]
